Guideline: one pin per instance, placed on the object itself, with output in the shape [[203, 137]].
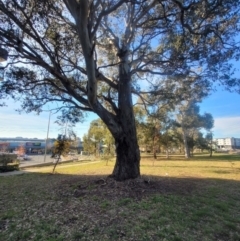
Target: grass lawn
[[175, 199]]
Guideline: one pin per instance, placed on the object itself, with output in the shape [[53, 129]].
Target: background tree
[[210, 143], [109, 143], [88, 145], [77, 53], [167, 138], [61, 148], [21, 150], [94, 138], [76, 142], [140, 118], [190, 121], [152, 134], [98, 137]]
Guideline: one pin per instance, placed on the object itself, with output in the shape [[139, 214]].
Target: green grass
[[176, 199]]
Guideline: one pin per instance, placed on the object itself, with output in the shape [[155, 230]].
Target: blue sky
[[13, 124], [223, 105], [225, 109]]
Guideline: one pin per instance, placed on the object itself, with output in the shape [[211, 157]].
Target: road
[[39, 160], [35, 160]]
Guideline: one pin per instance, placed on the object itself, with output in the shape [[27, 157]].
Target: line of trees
[[179, 131]]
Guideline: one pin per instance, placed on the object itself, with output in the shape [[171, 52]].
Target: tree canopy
[[190, 121], [98, 140], [93, 55]]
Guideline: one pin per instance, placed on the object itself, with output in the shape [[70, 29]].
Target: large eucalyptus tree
[[93, 55]]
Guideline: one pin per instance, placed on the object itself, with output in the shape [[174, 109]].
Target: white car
[[23, 157]]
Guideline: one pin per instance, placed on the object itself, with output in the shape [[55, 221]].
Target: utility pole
[[47, 136]]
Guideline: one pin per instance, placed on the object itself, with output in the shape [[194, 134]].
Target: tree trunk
[[154, 149], [186, 148], [154, 153], [167, 154], [127, 164], [211, 150], [210, 154], [122, 125]]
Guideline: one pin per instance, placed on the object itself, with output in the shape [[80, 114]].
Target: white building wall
[[228, 143]]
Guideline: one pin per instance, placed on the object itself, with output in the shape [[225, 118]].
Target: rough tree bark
[[122, 126], [128, 155], [127, 149]]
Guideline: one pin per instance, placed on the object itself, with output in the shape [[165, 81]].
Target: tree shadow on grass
[[145, 186], [100, 208]]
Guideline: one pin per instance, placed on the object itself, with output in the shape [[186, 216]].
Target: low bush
[[8, 162], [9, 168]]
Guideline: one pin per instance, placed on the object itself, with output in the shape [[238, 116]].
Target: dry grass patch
[[219, 166]]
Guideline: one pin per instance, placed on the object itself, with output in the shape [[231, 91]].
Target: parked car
[[23, 157]]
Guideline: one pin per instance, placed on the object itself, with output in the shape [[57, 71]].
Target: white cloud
[[31, 125], [227, 127]]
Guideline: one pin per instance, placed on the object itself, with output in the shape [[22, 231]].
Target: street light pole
[[47, 137]]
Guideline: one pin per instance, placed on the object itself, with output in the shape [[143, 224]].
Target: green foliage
[[88, 145], [8, 162], [155, 126], [189, 116], [190, 122], [163, 130], [99, 140], [61, 148], [9, 168], [7, 158], [196, 43]]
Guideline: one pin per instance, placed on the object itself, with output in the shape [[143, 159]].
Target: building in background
[[228, 143], [32, 145]]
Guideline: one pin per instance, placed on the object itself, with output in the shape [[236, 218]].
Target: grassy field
[[175, 199]]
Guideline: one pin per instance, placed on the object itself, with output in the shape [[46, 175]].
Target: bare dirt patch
[[137, 188]]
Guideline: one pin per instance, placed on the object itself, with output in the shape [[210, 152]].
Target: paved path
[[6, 174], [36, 169], [61, 166], [36, 160]]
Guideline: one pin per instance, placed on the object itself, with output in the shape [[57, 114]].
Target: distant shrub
[[107, 158], [8, 162], [221, 151]]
